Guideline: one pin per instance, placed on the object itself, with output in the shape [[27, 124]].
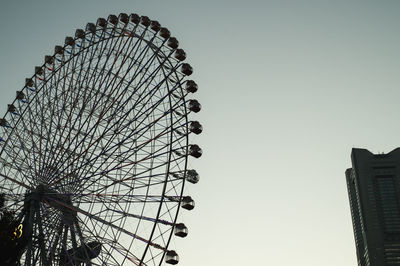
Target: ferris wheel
[[94, 149]]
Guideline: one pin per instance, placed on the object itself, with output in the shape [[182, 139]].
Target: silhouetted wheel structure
[[94, 149]]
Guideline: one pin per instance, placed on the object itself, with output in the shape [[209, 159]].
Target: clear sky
[[287, 88]]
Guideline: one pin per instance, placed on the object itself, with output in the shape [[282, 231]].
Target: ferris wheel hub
[[52, 198]]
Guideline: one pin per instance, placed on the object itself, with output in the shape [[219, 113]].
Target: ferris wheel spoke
[[160, 234], [90, 60], [15, 181], [148, 110], [110, 79], [137, 178], [19, 145], [119, 167], [23, 144], [128, 255], [112, 243], [136, 186], [49, 149], [116, 145], [142, 133], [44, 127], [168, 212], [68, 119], [58, 72], [91, 216], [131, 148], [70, 101], [161, 150], [138, 163], [15, 169], [104, 198], [142, 217], [155, 121]]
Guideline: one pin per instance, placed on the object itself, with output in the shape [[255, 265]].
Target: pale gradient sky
[[287, 88]]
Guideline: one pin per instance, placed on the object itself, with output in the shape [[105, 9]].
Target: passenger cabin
[[124, 18], [195, 151], [11, 108], [187, 203], [181, 230], [186, 69], [192, 176], [171, 257], [20, 95], [191, 86], [180, 54], [195, 127], [173, 42], [164, 32], [194, 106], [155, 25]]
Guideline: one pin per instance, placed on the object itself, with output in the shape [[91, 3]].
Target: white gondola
[[79, 33], [191, 86], [195, 151], [173, 42], [186, 69], [69, 41], [180, 54], [3, 122], [20, 95], [192, 176], [28, 82], [171, 257], [188, 203], [181, 230], [145, 21], [58, 49], [102, 22], [11, 108], [194, 106], [113, 19], [135, 18], [164, 32], [195, 127], [39, 70], [124, 18]]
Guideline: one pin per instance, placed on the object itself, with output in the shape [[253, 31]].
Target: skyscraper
[[373, 185]]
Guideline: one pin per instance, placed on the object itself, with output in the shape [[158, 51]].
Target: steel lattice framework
[[94, 149]]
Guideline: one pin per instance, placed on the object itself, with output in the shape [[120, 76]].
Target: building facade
[[373, 185]]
